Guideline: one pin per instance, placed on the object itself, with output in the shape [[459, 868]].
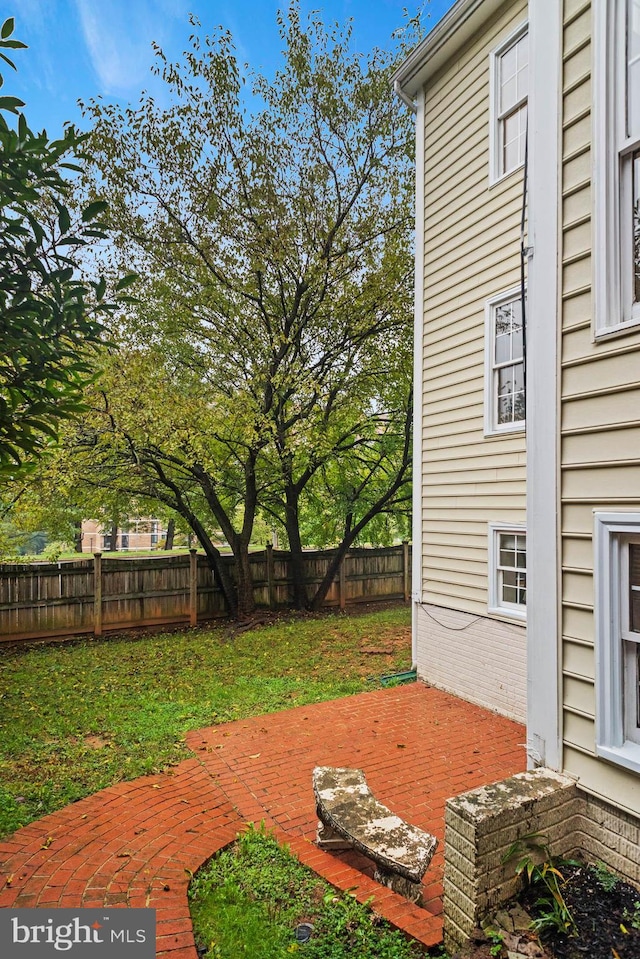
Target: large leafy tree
[[50, 319], [276, 244]]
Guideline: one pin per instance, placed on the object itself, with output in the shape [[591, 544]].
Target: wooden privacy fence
[[39, 600]]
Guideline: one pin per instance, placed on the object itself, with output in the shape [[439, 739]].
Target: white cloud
[[118, 36]]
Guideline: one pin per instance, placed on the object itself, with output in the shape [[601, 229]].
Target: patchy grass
[[249, 900], [76, 717]]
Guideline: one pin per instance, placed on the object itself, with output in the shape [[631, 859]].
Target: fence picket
[[100, 594]]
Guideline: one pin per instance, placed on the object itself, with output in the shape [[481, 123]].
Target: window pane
[[634, 584], [505, 381], [634, 612], [513, 74], [511, 148], [511, 394], [516, 344], [509, 93], [513, 130], [508, 69], [503, 348], [505, 410], [509, 594], [634, 564], [508, 561]]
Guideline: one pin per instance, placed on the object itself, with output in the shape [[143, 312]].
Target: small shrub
[[543, 876]]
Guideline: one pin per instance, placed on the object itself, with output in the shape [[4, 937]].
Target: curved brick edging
[[124, 845], [128, 845]]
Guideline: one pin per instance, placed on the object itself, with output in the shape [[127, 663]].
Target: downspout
[[417, 107], [408, 102]]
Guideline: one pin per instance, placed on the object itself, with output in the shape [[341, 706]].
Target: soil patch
[[606, 911]]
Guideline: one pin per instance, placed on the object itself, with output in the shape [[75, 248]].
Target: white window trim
[[611, 744], [491, 426], [611, 268], [495, 176], [494, 607]]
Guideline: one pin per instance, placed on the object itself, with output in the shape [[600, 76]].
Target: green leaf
[[11, 104], [7, 27], [126, 281], [64, 219], [93, 210]]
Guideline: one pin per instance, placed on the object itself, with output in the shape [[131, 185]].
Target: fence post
[[193, 587], [405, 569], [271, 575], [97, 594], [343, 582]]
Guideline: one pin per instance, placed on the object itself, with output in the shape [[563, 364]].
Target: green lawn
[[75, 717], [250, 899]]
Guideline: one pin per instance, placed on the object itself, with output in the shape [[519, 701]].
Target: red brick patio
[[135, 844]]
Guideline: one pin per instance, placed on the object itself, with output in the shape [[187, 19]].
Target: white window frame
[[491, 425], [612, 532], [614, 309], [496, 173], [495, 605]]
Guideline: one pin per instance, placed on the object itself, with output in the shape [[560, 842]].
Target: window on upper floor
[[617, 612], [617, 165], [508, 570], [504, 399], [509, 80]]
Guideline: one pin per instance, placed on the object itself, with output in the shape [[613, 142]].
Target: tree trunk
[[244, 579], [113, 538], [292, 524], [216, 564], [171, 530], [77, 537], [332, 571]]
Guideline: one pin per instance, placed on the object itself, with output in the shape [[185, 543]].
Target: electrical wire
[[453, 629]]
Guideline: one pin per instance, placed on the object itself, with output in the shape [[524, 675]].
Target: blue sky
[[85, 48]]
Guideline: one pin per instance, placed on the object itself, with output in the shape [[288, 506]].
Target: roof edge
[[449, 34]]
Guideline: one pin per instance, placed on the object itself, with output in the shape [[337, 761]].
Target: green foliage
[[605, 878], [633, 918], [497, 941], [249, 899], [267, 371], [77, 717], [537, 865], [49, 318]]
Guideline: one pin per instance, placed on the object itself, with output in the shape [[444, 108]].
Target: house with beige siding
[[526, 588]]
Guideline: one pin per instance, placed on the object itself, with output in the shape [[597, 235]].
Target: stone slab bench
[[352, 818]]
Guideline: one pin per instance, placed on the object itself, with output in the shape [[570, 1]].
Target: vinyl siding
[[600, 431], [471, 253], [471, 246]]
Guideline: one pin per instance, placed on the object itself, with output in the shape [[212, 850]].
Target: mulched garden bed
[[606, 911]]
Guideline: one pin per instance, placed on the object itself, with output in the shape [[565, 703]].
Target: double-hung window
[[617, 165], [617, 608], [509, 79], [504, 364], [508, 571]]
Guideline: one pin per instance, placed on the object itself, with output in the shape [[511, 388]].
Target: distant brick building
[[140, 533]]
